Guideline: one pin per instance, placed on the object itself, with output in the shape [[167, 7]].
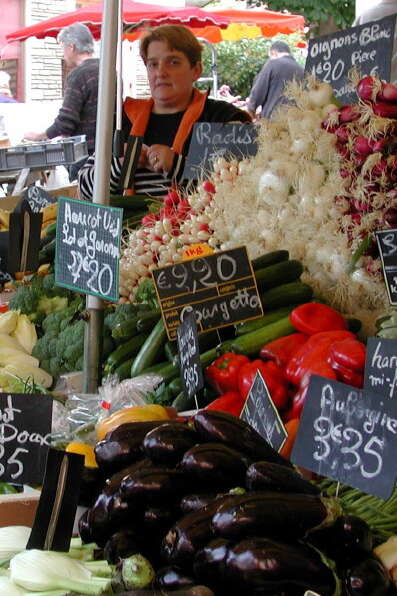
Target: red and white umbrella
[[136, 15]]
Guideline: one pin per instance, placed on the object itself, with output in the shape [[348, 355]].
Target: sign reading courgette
[[349, 435], [24, 437], [220, 290], [88, 248]]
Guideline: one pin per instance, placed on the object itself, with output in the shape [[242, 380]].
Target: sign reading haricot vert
[[25, 427], [220, 289], [349, 435], [368, 48], [88, 248]]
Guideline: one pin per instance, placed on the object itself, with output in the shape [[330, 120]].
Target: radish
[[209, 186]]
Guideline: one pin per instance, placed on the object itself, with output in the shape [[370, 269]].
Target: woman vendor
[[172, 56]]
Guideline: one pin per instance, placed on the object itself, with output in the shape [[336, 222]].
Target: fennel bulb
[[9, 588], [40, 571], [13, 540]]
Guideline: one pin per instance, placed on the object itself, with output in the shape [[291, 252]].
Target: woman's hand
[[159, 158]]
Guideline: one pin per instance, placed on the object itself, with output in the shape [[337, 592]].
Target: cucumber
[[279, 273], [131, 202], [124, 351], [150, 350], [269, 258], [295, 292], [147, 320], [250, 343], [269, 317]]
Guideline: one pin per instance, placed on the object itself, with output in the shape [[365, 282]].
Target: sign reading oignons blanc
[[368, 48], [88, 248]]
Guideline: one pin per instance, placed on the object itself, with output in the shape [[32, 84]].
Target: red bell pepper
[[222, 374], [273, 376], [230, 402], [314, 317], [348, 376], [316, 349], [349, 353], [298, 401], [282, 349]]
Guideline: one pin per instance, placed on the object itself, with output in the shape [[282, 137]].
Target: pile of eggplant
[[210, 503]]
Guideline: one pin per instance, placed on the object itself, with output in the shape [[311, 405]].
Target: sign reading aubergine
[[211, 140], [368, 47]]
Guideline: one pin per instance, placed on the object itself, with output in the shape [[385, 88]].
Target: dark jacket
[[268, 87], [77, 116]]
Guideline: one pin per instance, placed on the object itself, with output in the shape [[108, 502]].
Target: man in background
[[383, 9], [77, 116], [268, 87]]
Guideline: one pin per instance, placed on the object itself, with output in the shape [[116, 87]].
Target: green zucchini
[[123, 371], [269, 258], [124, 351], [51, 230], [131, 202], [250, 343], [269, 317], [150, 350], [183, 402], [147, 320], [167, 370], [279, 273], [295, 292], [171, 351], [175, 386]]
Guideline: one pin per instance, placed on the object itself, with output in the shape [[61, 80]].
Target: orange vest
[[139, 110]]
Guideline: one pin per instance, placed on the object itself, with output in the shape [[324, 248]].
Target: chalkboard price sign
[[215, 139], [387, 243], [368, 47], [349, 435], [219, 288], [381, 367], [38, 198], [24, 437], [189, 356], [88, 248], [261, 413]]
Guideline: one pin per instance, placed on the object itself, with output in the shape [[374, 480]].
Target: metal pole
[[103, 155]]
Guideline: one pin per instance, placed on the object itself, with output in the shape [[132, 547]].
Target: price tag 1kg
[[349, 435], [189, 356]]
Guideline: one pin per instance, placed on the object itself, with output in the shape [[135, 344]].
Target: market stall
[[246, 444]]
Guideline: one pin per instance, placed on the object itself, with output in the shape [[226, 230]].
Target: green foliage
[[340, 11], [238, 62]]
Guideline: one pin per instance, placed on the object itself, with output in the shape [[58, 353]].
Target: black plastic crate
[[63, 152]]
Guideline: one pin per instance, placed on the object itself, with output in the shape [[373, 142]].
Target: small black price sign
[[387, 243], [24, 437], [368, 47], [219, 288], [211, 140], [381, 366], [189, 356], [38, 198], [88, 248], [261, 413], [349, 435]]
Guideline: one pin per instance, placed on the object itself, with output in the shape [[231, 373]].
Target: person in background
[[77, 116], [268, 87], [5, 91], [172, 56], [384, 8]]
